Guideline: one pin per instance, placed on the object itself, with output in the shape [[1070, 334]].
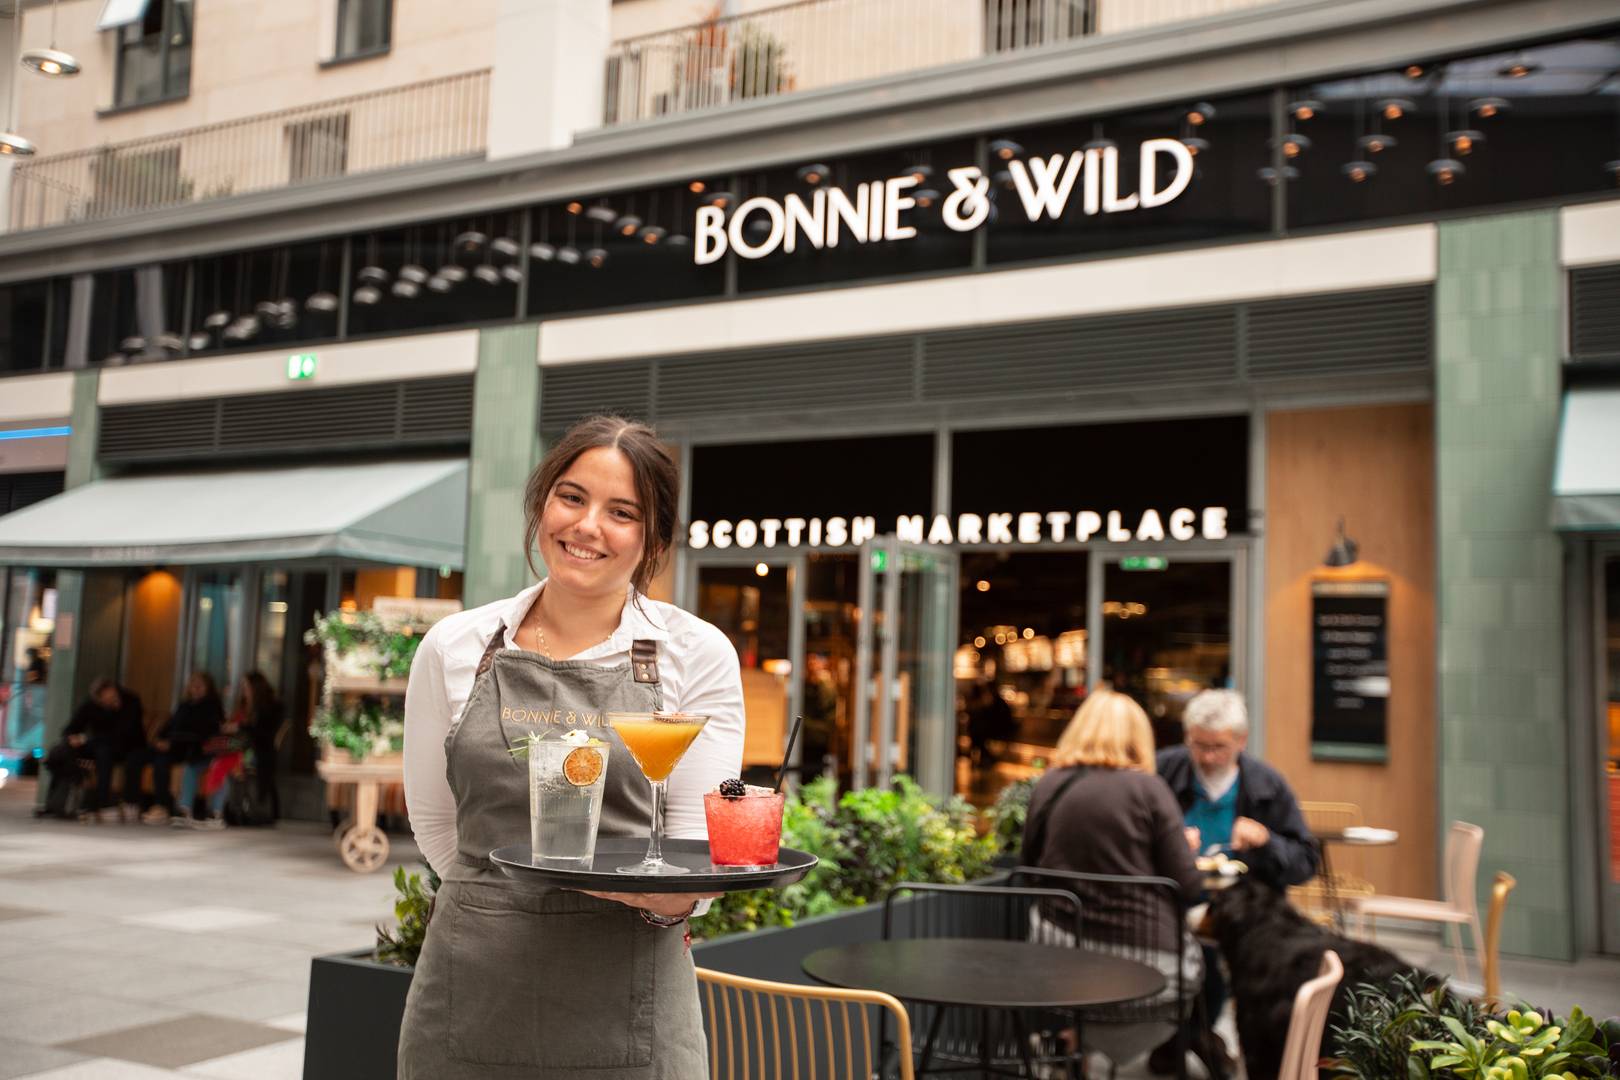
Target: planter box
[[355, 1009]]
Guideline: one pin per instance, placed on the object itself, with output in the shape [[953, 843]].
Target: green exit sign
[[880, 561], [1144, 562], [301, 366]]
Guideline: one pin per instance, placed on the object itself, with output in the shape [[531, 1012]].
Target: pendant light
[[323, 299], [542, 248], [16, 146], [602, 214], [568, 254], [1487, 107], [1445, 169], [413, 270], [1005, 149], [1393, 108], [1200, 113], [813, 174], [51, 62], [1305, 109], [652, 234], [1100, 142], [452, 271]]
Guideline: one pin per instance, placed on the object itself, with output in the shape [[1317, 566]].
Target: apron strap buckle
[[644, 661]]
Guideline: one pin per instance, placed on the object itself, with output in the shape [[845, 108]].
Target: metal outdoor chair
[[956, 1036], [1119, 916], [771, 1029]]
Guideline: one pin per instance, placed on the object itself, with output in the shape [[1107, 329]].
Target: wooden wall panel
[[1374, 466], [153, 643]]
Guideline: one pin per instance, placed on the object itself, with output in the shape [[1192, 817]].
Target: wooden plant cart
[[362, 846], [351, 677]]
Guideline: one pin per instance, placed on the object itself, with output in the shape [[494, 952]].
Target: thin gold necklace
[[545, 650]]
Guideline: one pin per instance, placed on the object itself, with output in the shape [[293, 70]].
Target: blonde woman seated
[[1102, 809]]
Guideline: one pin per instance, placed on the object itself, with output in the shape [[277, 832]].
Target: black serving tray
[[517, 861]]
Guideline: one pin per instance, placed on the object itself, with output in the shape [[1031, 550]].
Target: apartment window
[[154, 49], [363, 27], [318, 148]]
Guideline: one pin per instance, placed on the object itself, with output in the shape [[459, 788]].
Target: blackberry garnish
[[733, 789]]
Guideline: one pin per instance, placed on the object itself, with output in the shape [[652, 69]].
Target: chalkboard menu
[[1349, 669]]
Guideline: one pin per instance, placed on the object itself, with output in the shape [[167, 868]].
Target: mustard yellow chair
[[762, 1028]]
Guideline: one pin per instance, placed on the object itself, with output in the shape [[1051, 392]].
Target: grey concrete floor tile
[[61, 1016], [26, 1059], [12, 914], [278, 1061], [103, 1069], [256, 999], [183, 1040], [38, 928]]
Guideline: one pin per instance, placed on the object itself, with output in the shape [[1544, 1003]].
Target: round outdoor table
[[984, 974], [1330, 889]]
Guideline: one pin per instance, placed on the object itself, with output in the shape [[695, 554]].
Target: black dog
[[1271, 950]]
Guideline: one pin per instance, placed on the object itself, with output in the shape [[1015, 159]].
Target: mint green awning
[[411, 513], [1586, 478]]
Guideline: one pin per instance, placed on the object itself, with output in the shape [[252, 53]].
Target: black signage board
[[1349, 670]]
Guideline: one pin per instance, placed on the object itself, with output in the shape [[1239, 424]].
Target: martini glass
[[657, 741]]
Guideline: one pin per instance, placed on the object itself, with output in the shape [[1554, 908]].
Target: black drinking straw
[[787, 755]]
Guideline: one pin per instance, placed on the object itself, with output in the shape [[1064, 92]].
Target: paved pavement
[[134, 952], [139, 953]]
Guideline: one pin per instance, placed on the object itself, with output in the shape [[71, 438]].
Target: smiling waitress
[[516, 981]]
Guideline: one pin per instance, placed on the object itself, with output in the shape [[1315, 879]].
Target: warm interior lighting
[[761, 569], [983, 585], [697, 187]]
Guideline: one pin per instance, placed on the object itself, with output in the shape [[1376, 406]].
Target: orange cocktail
[[657, 745], [657, 741]]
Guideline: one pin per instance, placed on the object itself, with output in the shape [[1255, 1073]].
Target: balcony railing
[[441, 118], [818, 43]]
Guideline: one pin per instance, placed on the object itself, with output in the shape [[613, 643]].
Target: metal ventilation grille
[[1594, 313], [409, 413], [1162, 348], [1379, 331], [18, 490], [160, 429], [787, 379], [575, 391], [1237, 347]]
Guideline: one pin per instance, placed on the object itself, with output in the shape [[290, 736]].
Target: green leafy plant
[[370, 726], [344, 632], [413, 907], [1009, 812], [1418, 1031], [866, 841]]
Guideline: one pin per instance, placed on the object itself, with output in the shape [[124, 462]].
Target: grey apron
[[525, 981]]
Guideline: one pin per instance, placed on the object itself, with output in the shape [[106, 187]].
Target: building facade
[[1010, 348]]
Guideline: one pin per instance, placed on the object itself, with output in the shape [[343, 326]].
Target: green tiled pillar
[[1503, 749], [62, 693], [505, 447]]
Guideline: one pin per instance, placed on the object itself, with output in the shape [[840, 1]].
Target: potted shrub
[[1412, 1030], [357, 1000]]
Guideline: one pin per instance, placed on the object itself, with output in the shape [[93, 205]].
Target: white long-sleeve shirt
[[697, 666]]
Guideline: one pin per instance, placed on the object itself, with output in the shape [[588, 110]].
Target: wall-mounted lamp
[[1344, 550]]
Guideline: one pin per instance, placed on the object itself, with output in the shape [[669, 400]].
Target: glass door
[[1608, 673], [758, 601], [905, 645], [214, 634], [1165, 625]]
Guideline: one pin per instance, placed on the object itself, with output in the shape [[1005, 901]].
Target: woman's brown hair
[[657, 480]]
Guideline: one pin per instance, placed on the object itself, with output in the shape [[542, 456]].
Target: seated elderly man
[[1231, 801], [1234, 801]]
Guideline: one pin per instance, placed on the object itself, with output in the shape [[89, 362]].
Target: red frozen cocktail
[[745, 824]]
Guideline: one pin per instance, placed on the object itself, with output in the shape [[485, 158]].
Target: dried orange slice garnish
[[582, 766]]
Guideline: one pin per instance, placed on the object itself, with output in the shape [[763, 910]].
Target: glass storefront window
[[25, 658], [1526, 124], [436, 274], [216, 622], [266, 298], [1020, 662], [26, 318], [752, 604], [587, 254]]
